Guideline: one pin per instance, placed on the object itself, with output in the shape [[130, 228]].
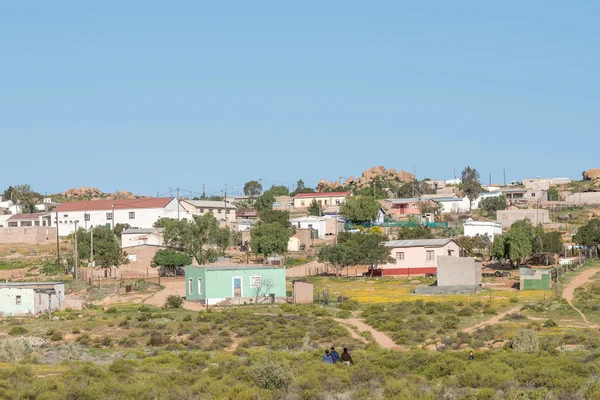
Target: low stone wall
[[462, 289]]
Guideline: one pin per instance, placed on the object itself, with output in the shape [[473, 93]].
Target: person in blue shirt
[[335, 356], [327, 358]]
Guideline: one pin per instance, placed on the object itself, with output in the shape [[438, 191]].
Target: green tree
[[498, 247], [469, 185], [252, 188], [337, 255], [269, 238], [301, 188], [279, 190], [553, 194], [589, 234], [24, 197], [356, 249], [360, 208], [418, 232], [108, 252], [314, 208], [490, 205], [222, 239], [413, 189], [195, 239], [170, 259], [119, 228], [276, 216], [519, 242], [264, 201]]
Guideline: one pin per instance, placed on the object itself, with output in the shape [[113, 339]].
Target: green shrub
[[344, 314], [550, 323], [56, 336], [13, 349], [350, 305], [465, 312], [187, 318], [514, 300], [158, 339], [526, 341], [451, 322], [17, 330], [76, 330], [83, 339], [111, 310], [173, 301], [268, 373], [144, 309], [488, 309]]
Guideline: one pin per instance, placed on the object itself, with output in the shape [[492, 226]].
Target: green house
[[535, 279], [212, 285]]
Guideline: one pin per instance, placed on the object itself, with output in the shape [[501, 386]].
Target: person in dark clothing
[[471, 356], [327, 358], [335, 356], [346, 358]]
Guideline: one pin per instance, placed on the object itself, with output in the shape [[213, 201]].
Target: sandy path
[[494, 320], [569, 290], [172, 286], [381, 338]]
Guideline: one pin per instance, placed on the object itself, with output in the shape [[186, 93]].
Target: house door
[[237, 287]]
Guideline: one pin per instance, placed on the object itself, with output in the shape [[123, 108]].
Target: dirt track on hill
[[569, 290], [494, 320], [381, 338]]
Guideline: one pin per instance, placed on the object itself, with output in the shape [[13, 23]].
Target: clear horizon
[[143, 96]]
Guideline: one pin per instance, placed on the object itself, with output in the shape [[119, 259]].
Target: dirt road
[[381, 338], [579, 280], [172, 287], [494, 320]]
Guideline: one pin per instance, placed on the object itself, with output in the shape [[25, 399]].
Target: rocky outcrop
[[87, 193], [367, 177], [591, 174]]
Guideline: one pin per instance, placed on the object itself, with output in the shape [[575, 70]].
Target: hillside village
[[484, 260]]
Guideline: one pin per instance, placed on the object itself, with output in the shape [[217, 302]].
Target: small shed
[[30, 298], [535, 279], [302, 292], [235, 284]]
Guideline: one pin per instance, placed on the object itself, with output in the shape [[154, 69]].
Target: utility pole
[[113, 217], [556, 286], [504, 172], [203, 193], [260, 181], [177, 204], [92, 246], [225, 203], [57, 242], [76, 255]]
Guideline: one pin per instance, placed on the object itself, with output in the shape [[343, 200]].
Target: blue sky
[[147, 95]]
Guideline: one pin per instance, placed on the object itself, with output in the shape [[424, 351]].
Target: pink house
[[411, 206], [417, 257]]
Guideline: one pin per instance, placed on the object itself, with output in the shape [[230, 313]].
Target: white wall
[[8, 306], [474, 228], [454, 206], [136, 239], [320, 224], [482, 196], [143, 217]]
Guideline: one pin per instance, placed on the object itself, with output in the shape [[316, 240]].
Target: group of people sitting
[[332, 357]]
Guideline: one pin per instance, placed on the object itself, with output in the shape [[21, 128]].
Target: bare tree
[[262, 288]]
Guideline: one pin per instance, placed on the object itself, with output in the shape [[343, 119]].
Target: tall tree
[[24, 197], [279, 190], [264, 201], [490, 205], [276, 216], [252, 188], [360, 208], [195, 239], [589, 234], [301, 188], [314, 208], [269, 239], [107, 251], [519, 242], [222, 239], [170, 259], [356, 249], [470, 185], [418, 232]]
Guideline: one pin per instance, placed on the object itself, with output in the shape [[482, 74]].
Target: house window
[[8, 231], [131, 214], [302, 202], [199, 285], [399, 256], [219, 211], [202, 211], [255, 281], [190, 286], [228, 212], [337, 202], [65, 215], [414, 206], [27, 231], [109, 216], [309, 226], [430, 255], [86, 217], [18, 300], [532, 194]]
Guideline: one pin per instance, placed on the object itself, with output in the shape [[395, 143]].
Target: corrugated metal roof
[[236, 267], [418, 243]]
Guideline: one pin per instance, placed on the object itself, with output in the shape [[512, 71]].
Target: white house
[[138, 213], [453, 204], [312, 222], [222, 211], [138, 237], [488, 228]]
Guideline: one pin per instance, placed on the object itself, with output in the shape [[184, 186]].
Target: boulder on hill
[[591, 174]]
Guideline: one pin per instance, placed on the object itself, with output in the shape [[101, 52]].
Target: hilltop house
[[303, 200], [222, 211], [139, 213]]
